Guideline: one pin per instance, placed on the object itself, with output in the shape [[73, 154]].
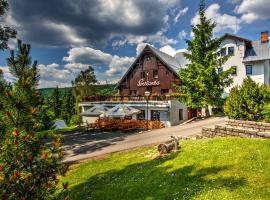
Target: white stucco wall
[[175, 106], [236, 60]]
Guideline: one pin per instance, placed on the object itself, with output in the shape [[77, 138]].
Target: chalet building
[[152, 71], [155, 72]]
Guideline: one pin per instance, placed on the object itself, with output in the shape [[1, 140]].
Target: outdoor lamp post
[[147, 95]]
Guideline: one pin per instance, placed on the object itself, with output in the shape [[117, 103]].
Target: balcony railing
[[128, 98]]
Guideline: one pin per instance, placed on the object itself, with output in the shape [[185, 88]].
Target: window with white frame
[[231, 51], [223, 52]]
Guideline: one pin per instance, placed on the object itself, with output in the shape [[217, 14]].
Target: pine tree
[[29, 160], [56, 101], [202, 84]]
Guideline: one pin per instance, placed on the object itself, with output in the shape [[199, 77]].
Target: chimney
[[264, 37]]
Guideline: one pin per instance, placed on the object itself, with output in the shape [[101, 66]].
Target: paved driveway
[[82, 145]]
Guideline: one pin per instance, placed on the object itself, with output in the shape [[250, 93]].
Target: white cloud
[[252, 10], [7, 75], [66, 31], [112, 65], [53, 74], [168, 50], [182, 35], [224, 22], [158, 37], [180, 14]]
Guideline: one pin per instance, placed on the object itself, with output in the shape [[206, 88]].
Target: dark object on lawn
[[167, 147]]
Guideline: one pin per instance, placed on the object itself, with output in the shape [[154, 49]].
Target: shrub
[[75, 120], [247, 101], [266, 113]]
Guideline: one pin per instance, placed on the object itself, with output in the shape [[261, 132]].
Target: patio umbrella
[[121, 111], [95, 111]]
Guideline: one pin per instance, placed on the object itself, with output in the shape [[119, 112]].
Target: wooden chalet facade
[[152, 71]]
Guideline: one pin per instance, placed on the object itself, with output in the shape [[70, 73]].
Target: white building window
[[231, 51], [248, 69], [223, 52]]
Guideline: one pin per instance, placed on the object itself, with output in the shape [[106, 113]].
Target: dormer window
[[231, 51]]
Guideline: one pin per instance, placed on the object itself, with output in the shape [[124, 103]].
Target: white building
[[249, 58]]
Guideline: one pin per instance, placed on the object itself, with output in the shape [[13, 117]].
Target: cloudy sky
[[67, 35]]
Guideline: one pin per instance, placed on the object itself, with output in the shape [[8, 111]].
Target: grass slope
[[221, 168]]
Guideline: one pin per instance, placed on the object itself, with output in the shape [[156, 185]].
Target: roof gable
[[170, 62]]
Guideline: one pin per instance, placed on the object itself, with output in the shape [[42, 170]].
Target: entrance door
[[192, 112]]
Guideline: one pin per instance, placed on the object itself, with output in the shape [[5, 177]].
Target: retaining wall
[[224, 131], [258, 126]]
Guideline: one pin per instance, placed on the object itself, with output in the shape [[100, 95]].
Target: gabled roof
[[258, 51], [228, 35], [167, 60]]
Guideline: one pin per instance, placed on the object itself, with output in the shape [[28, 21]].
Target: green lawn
[[221, 168]]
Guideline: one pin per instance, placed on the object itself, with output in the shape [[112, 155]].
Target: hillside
[[102, 90]]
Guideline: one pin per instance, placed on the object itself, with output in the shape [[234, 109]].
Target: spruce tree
[[56, 101], [68, 106], [30, 161], [202, 84]]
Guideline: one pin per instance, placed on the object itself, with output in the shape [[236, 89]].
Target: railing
[[128, 98]]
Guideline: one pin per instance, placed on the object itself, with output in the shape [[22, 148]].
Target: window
[[234, 70], [155, 73], [181, 114], [142, 75], [147, 58], [248, 69], [220, 70], [223, 52], [167, 73], [164, 91], [141, 115], [149, 89], [231, 51], [155, 115]]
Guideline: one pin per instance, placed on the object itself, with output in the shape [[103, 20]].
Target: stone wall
[[224, 131], [250, 125]]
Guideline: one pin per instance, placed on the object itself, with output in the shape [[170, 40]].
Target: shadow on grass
[[152, 180]]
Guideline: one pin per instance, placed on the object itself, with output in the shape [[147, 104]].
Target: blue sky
[[67, 36]]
